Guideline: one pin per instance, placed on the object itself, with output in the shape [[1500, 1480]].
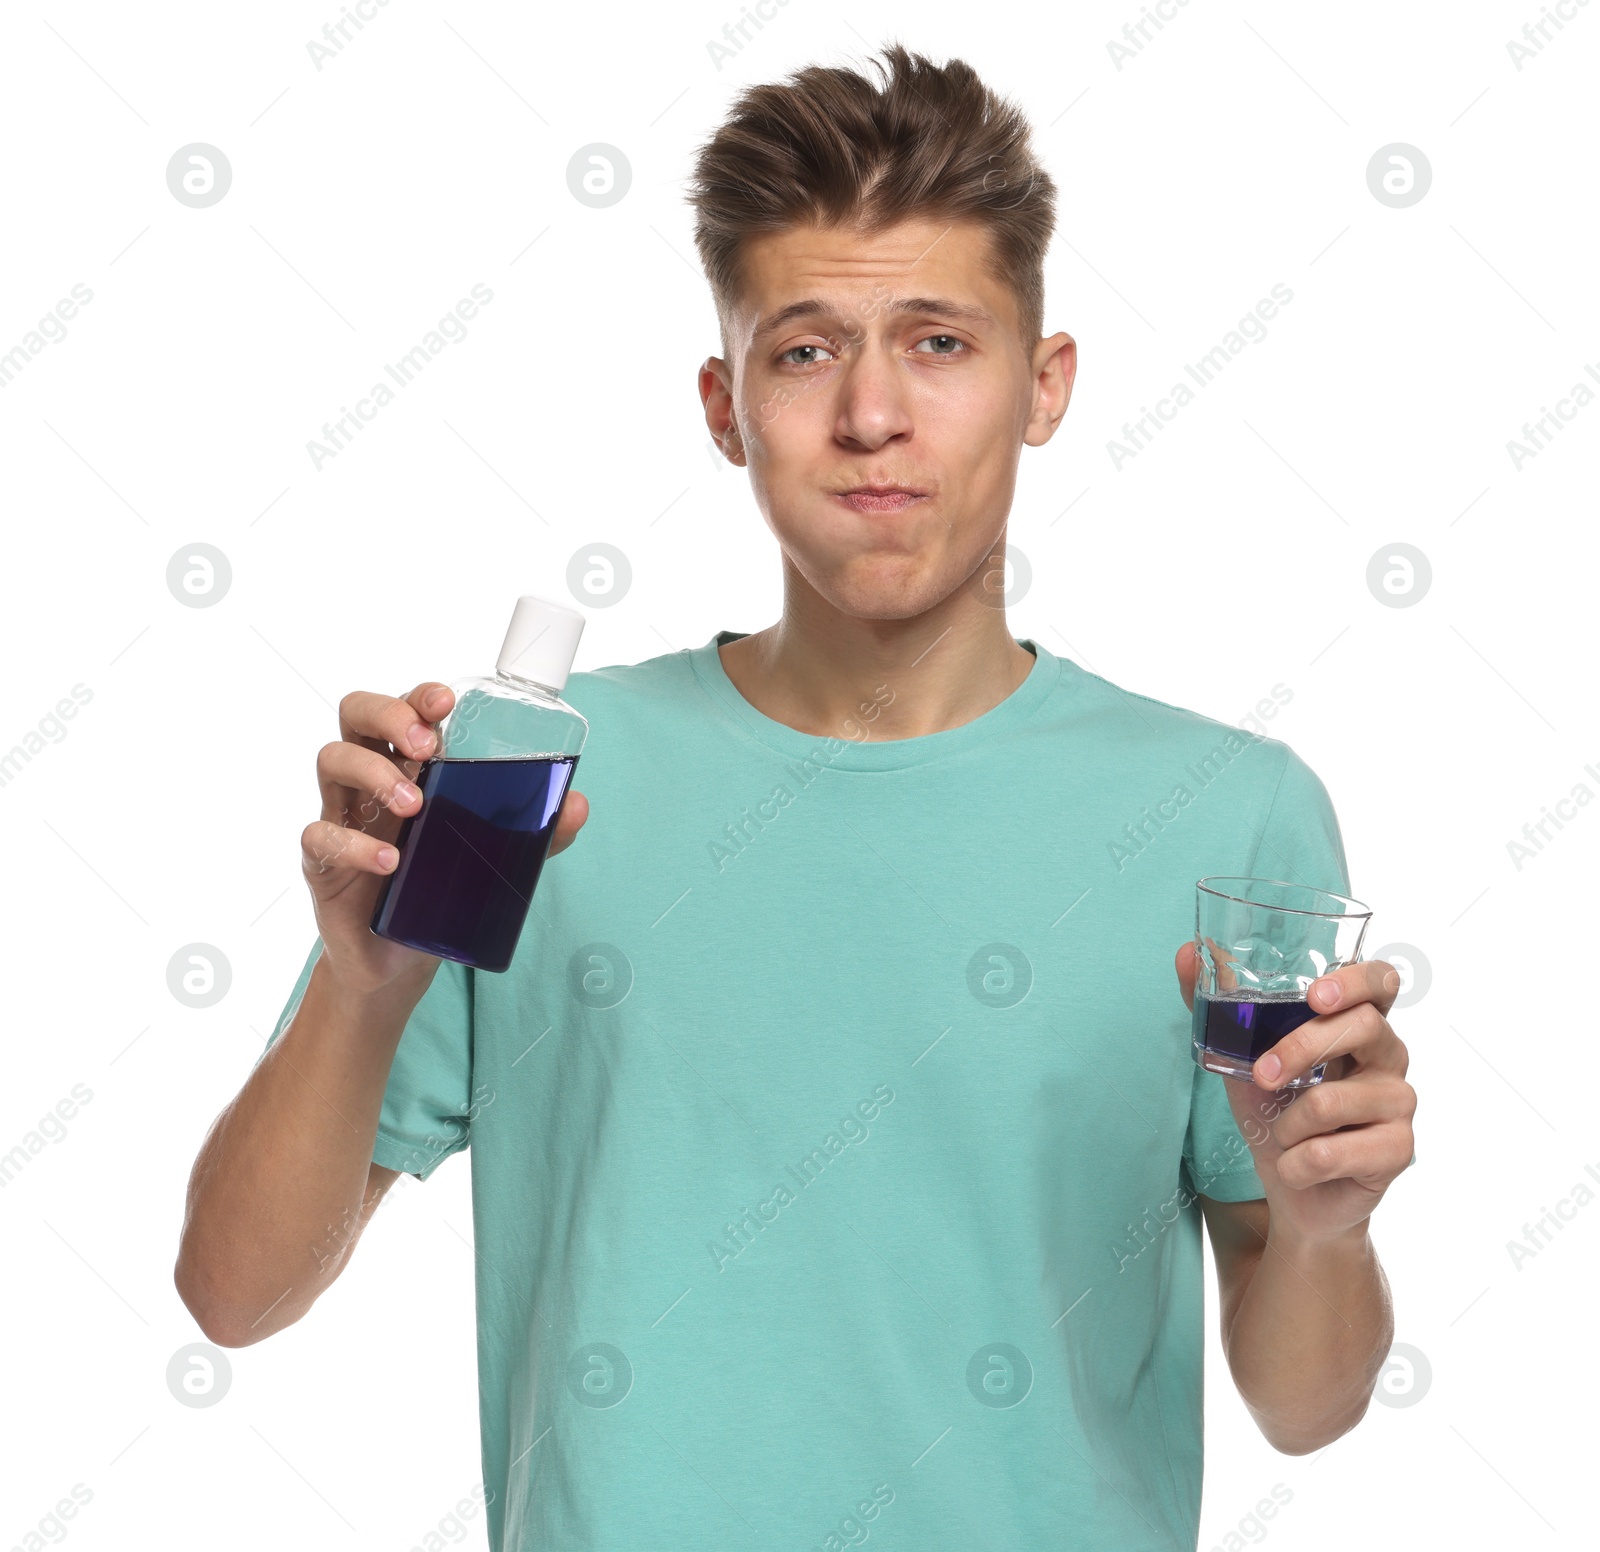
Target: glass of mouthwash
[[1262, 942]]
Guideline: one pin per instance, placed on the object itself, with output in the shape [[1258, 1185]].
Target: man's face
[[889, 362]]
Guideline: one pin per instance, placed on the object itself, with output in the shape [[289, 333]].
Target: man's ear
[[1055, 366], [716, 394]]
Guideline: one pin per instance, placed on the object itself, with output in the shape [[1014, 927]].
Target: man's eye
[[942, 340], [819, 350]]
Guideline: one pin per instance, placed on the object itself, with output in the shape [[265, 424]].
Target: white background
[[430, 154]]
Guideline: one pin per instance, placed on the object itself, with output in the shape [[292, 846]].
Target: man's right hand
[[368, 788]]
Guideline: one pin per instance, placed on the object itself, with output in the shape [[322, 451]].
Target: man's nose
[[874, 405]]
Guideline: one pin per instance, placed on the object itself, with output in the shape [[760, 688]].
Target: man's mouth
[[881, 498]]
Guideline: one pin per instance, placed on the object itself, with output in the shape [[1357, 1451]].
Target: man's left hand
[[1327, 1154]]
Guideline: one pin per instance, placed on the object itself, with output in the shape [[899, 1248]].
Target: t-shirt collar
[[844, 752]]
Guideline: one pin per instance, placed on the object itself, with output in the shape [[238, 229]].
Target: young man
[[838, 1157]]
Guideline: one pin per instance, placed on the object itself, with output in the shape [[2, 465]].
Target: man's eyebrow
[[814, 307]]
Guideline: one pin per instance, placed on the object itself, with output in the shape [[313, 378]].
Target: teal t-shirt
[[835, 1130]]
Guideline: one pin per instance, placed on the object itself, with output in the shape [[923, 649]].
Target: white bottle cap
[[541, 642]]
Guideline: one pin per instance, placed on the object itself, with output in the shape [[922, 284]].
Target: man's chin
[[884, 592]]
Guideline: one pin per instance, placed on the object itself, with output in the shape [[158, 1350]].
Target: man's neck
[[823, 672]]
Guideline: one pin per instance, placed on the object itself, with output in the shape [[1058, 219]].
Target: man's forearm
[[277, 1193], [1312, 1331]]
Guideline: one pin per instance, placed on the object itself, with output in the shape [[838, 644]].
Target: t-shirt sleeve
[[427, 1108], [1297, 841]]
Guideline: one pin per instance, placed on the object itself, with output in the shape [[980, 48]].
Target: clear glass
[[1261, 943]]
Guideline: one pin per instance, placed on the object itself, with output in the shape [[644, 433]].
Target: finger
[[358, 785], [1358, 1101], [379, 721], [1370, 1155], [1362, 1032], [574, 811], [1371, 980], [330, 851], [1254, 1112]]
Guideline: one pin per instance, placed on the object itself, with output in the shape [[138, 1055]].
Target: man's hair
[[828, 147]]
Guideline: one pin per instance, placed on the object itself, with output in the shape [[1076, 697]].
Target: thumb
[[574, 811], [1187, 964]]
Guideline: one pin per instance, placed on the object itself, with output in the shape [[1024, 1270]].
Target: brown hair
[[830, 148]]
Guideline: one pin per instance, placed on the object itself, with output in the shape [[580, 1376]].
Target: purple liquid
[[470, 857], [1241, 1032]]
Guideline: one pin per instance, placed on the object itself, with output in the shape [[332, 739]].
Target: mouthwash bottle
[[470, 855]]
